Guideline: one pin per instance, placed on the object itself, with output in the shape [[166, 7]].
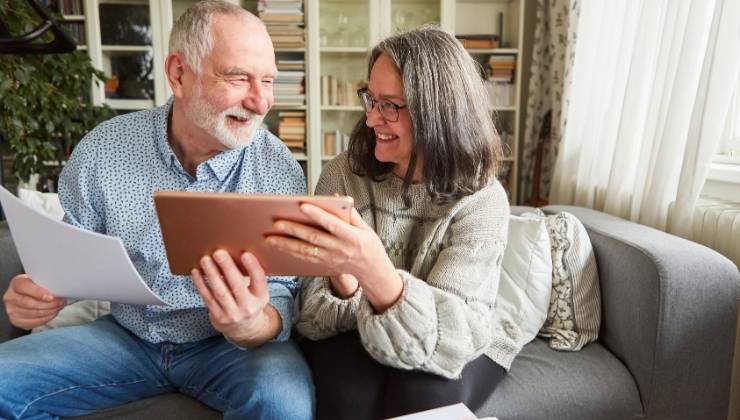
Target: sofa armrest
[[669, 313], [10, 265]]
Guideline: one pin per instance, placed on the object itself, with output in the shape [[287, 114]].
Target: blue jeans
[[76, 370]]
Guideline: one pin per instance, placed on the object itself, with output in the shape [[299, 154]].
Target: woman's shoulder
[[334, 175], [485, 206], [338, 165], [492, 195]]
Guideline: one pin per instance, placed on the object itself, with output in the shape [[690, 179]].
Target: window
[[723, 180], [729, 147]]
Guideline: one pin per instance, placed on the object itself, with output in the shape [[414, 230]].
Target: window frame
[[723, 179]]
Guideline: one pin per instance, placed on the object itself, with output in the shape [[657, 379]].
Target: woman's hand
[[349, 248]]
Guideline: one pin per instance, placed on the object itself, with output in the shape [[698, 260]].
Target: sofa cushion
[[10, 266], [526, 279], [574, 316], [545, 385], [46, 203], [77, 313], [163, 407]]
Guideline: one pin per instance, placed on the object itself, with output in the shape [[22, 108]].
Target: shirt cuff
[[282, 300]]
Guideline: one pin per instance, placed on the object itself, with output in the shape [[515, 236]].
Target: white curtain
[[652, 82]]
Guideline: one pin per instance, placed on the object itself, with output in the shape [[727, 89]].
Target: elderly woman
[[410, 323]]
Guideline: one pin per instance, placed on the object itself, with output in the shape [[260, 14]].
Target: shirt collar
[[162, 134], [221, 164]]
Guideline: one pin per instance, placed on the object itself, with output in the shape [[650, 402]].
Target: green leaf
[[40, 109]]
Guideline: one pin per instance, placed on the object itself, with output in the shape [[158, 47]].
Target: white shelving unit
[[148, 50], [338, 36]]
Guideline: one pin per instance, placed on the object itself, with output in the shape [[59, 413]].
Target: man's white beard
[[208, 118]]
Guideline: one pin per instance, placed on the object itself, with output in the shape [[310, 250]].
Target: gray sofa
[[664, 352]]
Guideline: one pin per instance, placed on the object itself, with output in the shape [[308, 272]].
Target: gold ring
[[315, 251]]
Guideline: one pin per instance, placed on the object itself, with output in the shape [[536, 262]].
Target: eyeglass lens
[[387, 110]]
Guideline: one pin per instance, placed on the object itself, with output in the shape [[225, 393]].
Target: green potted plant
[[45, 106]]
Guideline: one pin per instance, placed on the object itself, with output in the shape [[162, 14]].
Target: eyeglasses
[[388, 110]]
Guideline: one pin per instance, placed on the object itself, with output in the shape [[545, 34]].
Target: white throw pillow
[[526, 280], [79, 312], [46, 203]]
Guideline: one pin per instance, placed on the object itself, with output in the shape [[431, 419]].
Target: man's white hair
[[191, 34]]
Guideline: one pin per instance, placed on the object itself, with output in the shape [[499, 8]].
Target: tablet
[[195, 224]]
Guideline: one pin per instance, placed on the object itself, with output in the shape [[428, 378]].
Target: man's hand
[[237, 304], [29, 305]]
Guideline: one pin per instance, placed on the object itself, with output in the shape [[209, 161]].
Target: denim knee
[[285, 389]]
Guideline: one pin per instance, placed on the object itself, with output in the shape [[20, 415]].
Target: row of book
[[289, 88], [292, 130], [334, 142], [339, 92], [501, 67], [77, 30], [284, 21], [66, 7]]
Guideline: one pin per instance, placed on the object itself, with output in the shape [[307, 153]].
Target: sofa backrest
[[10, 265]]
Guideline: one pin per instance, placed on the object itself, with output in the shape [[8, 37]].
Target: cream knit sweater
[[449, 258]]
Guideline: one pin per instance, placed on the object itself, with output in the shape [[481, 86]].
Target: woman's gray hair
[[453, 131], [191, 34]]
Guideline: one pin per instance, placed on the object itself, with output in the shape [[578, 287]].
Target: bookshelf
[[321, 50], [493, 33]]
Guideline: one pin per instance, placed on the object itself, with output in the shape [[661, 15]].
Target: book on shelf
[[290, 100], [479, 41], [334, 143], [284, 65], [281, 4], [335, 92], [284, 21], [292, 130], [76, 30], [65, 7], [501, 67], [289, 87], [285, 29]]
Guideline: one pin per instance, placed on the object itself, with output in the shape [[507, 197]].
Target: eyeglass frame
[[363, 93]]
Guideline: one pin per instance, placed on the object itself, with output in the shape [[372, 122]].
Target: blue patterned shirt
[[107, 187]]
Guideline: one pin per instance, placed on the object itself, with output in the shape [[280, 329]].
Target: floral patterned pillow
[[574, 315]]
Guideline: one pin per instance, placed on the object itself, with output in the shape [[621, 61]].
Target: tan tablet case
[[195, 224]]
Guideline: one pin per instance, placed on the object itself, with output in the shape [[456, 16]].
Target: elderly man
[[224, 341]]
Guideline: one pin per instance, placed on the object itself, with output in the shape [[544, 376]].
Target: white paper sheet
[[457, 411], [73, 263]]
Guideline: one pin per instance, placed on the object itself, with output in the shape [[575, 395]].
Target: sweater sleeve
[[322, 314], [441, 323]]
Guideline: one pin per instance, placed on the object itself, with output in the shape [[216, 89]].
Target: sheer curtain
[[652, 82]]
